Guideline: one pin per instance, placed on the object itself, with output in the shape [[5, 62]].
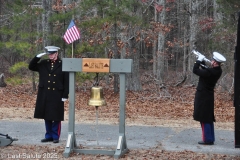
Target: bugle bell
[[198, 54], [96, 98]]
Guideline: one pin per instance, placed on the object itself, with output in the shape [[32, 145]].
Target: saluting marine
[[204, 97], [53, 89]]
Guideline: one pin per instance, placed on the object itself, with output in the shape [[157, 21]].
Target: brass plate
[[95, 65]]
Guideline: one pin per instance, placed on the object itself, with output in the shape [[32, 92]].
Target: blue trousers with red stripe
[[53, 129], [207, 132]]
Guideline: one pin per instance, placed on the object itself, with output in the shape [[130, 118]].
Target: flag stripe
[[72, 34]]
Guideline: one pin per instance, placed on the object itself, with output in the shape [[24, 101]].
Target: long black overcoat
[[204, 97], [53, 86]]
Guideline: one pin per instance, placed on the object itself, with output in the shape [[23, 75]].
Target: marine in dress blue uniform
[[53, 90], [204, 96]]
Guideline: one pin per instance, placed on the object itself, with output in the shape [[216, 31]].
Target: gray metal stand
[[6, 140], [121, 66]]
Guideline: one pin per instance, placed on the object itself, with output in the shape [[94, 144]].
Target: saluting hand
[[40, 55]]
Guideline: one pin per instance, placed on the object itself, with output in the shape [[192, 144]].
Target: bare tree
[[158, 63], [47, 27]]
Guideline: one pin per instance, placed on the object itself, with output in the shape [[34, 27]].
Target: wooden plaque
[[95, 65]]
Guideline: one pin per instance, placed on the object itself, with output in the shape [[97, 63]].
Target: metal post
[[122, 145], [71, 141]]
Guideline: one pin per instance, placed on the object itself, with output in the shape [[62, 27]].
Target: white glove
[[40, 55], [201, 57], [64, 99]]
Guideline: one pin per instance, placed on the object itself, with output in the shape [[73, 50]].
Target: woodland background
[[159, 35]]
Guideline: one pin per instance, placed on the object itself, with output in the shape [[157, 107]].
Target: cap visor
[[51, 52]]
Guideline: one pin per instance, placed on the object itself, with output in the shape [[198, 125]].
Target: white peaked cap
[[52, 48], [218, 57]]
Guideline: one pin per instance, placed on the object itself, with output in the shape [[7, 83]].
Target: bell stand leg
[[97, 123], [122, 144], [71, 141]]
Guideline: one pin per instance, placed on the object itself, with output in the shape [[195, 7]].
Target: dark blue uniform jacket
[[204, 97], [53, 86]]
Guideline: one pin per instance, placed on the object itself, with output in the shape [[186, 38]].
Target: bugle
[[198, 54]]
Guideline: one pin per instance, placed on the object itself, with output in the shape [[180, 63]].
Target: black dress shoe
[[56, 141], [205, 143], [46, 140]]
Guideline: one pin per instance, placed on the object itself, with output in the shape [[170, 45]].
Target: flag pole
[[73, 41], [72, 49]]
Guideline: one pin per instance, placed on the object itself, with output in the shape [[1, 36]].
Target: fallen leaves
[[56, 152], [168, 106]]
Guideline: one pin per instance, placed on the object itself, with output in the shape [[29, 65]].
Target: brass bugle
[[198, 54]]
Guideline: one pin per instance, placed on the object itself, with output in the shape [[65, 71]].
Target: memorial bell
[[96, 98]]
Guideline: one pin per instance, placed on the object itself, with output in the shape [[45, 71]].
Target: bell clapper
[[97, 123]]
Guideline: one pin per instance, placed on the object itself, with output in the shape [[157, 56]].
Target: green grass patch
[[14, 81]]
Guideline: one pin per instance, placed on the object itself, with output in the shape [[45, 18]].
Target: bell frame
[[121, 66]]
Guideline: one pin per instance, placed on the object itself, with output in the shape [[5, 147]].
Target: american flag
[[72, 34]]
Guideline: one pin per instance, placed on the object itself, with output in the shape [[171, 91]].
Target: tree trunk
[[133, 80], [216, 15], [2, 82], [116, 56], [47, 27], [193, 19], [161, 45]]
